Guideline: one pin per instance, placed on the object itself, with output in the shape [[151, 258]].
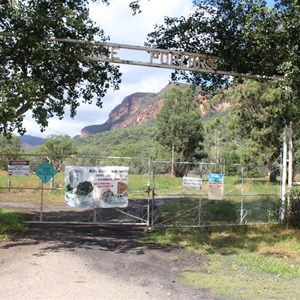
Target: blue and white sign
[[216, 186]]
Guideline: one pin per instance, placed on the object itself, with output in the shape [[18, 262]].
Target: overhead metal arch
[[153, 57]]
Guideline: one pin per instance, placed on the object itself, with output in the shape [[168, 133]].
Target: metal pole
[[153, 195], [148, 191], [242, 199], [200, 197], [42, 202], [172, 159], [290, 164], [284, 175], [95, 214]]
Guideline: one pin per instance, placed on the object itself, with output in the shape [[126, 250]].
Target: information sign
[[18, 168], [45, 172], [216, 186], [103, 187], [192, 181]]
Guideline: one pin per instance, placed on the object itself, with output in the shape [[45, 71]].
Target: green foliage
[[221, 140], [45, 76], [293, 210], [10, 222], [179, 126], [248, 37], [10, 149], [135, 141], [259, 112], [57, 148], [240, 262], [251, 129]]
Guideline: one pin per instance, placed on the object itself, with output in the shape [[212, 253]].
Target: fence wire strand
[[158, 194]]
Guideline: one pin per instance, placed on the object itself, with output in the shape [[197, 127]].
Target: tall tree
[[257, 117], [57, 148], [246, 35], [40, 74], [10, 149], [179, 126], [260, 113], [288, 43]]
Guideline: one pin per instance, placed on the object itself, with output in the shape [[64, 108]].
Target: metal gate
[[248, 195], [157, 195], [39, 202]]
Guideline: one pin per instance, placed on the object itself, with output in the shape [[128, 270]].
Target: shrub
[[293, 209]]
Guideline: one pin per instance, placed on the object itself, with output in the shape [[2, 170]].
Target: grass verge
[[260, 262], [10, 223]]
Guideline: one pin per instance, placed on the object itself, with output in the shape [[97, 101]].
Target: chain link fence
[[160, 193], [184, 194], [45, 202]]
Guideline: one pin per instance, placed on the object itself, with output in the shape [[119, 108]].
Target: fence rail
[[248, 195], [160, 193]]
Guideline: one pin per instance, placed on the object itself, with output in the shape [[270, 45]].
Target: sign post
[[45, 172]]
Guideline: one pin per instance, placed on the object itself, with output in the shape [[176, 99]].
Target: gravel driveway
[[92, 262]]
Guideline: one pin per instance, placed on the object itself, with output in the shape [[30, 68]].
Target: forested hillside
[[242, 124], [130, 142], [141, 141]]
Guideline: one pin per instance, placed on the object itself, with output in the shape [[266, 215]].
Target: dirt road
[[90, 262]]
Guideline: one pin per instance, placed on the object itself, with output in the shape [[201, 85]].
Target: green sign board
[[45, 172]]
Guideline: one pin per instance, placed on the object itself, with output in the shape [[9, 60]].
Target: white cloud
[[124, 28]]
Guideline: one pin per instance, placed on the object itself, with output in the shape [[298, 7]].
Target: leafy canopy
[[43, 75], [10, 149], [179, 124], [247, 36], [58, 148], [258, 113]]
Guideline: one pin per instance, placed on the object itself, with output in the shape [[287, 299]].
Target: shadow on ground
[[70, 237]]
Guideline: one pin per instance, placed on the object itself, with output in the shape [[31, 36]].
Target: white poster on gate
[[96, 186], [192, 181]]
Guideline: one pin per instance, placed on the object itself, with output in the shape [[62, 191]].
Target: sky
[[124, 28]]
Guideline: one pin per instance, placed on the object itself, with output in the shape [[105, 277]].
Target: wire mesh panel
[[177, 194], [245, 196], [45, 202]]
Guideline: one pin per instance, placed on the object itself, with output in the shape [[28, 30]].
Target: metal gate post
[[148, 192], [200, 198], [242, 199], [153, 194], [42, 202]]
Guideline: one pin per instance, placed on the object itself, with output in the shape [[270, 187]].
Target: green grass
[[232, 185], [186, 210], [164, 184], [10, 223], [261, 262], [183, 211]]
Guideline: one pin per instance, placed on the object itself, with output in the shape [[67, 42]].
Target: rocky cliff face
[[134, 109]]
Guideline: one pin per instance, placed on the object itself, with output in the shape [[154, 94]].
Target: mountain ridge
[[133, 110], [28, 140]]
